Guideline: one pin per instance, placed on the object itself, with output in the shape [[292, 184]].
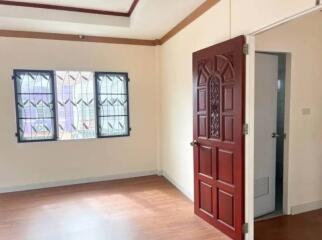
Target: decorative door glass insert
[[35, 105], [112, 104], [214, 102], [75, 104]]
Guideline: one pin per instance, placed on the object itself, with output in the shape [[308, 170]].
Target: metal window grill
[[35, 105], [77, 117], [112, 104]]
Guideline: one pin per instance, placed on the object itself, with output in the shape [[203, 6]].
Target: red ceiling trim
[[133, 6], [71, 9]]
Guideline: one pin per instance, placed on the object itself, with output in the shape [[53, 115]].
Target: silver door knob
[[275, 135], [194, 143]]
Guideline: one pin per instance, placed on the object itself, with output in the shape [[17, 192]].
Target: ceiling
[[151, 19]]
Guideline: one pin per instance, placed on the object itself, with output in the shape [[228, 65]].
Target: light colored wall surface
[[302, 39], [36, 163], [176, 92], [251, 15]]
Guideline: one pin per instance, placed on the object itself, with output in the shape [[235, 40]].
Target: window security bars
[[65, 105]]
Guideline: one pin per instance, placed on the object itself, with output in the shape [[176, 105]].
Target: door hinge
[[245, 129], [246, 48], [245, 228]]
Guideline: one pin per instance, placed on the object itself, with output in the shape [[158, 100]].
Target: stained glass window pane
[[35, 105], [112, 104], [75, 105]]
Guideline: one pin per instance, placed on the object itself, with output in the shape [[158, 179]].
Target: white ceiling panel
[[150, 20]]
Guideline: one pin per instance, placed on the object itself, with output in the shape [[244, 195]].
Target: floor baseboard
[[178, 186], [306, 207], [93, 180], [76, 181]]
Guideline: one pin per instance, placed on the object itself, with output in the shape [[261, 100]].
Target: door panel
[[266, 75], [206, 161], [225, 169], [206, 201], [218, 85]]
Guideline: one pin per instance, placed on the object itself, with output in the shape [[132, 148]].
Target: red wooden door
[[218, 85]]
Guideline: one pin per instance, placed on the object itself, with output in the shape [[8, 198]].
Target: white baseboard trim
[[306, 207], [178, 186], [76, 181]]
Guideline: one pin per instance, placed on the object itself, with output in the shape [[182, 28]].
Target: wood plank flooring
[[306, 226], [134, 209]]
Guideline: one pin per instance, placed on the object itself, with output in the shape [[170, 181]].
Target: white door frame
[[249, 119]]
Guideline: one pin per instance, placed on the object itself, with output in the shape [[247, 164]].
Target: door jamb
[[249, 138], [287, 107], [249, 119]]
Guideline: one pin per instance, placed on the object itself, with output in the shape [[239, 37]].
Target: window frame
[[53, 94], [99, 135], [55, 137]]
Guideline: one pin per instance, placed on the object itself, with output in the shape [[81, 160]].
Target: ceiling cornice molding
[[189, 19], [78, 38], [114, 40], [71, 9], [133, 6]]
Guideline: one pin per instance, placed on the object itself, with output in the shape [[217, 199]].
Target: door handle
[[194, 143], [275, 135]]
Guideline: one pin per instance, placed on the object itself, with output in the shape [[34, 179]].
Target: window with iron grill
[[67, 105], [112, 104], [35, 105]]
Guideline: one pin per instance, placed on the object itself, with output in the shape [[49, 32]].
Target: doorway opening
[[300, 38], [270, 83]]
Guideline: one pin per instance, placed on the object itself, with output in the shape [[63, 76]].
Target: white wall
[[176, 92], [302, 39], [40, 163], [252, 15]]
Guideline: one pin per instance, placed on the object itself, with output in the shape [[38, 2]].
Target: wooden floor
[[147, 208], [306, 226]]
